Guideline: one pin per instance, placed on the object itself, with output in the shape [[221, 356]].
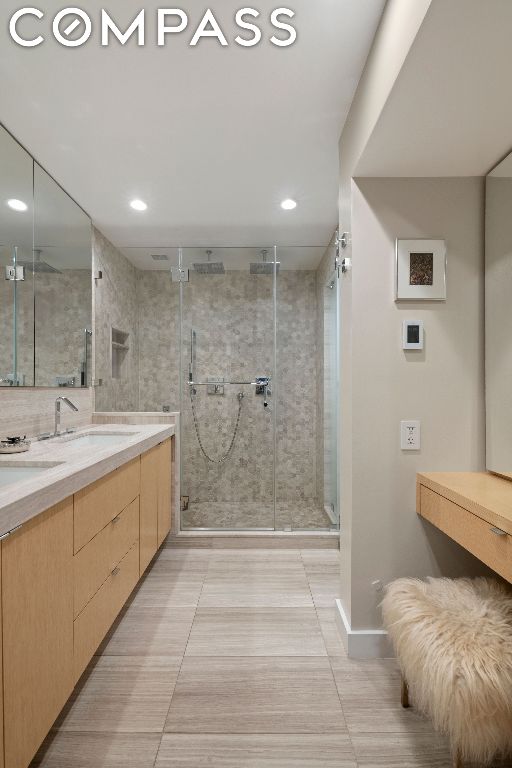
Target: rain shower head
[[209, 267], [264, 267], [38, 266]]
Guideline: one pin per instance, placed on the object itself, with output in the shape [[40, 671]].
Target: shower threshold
[[286, 517]]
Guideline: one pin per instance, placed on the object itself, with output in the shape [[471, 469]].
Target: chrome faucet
[[70, 405]]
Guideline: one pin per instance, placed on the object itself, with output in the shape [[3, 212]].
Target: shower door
[[227, 388]]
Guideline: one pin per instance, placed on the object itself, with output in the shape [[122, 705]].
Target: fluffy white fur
[[453, 641]]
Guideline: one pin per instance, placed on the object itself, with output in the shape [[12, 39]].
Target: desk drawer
[[99, 503], [468, 530], [91, 626], [95, 562]]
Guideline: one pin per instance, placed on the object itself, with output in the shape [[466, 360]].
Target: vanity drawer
[[99, 503], [482, 539], [91, 626], [94, 562]]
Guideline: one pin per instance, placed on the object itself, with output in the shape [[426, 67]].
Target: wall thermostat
[[412, 334]]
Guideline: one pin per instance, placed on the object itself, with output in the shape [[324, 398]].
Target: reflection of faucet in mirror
[[70, 405]]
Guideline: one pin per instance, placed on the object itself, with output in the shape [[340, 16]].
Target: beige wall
[[398, 28], [443, 386]]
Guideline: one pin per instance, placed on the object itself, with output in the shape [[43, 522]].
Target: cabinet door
[[149, 472], [37, 619], [164, 490]]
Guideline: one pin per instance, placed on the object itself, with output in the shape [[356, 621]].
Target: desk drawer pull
[[116, 519], [116, 571], [498, 532]]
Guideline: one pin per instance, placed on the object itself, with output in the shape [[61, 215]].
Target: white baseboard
[[362, 643]]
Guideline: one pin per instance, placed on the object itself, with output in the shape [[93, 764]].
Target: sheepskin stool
[[453, 642]]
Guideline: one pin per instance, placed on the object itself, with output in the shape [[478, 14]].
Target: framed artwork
[[420, 270]]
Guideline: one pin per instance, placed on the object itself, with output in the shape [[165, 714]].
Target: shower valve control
[[262, 388]]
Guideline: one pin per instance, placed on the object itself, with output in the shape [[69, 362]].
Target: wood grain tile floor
[[232, 659]]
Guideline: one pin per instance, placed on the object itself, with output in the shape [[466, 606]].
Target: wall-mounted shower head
[[263, 267], [209, 267], [38, 266]]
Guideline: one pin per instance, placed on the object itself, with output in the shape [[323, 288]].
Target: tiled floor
[[231, 659], [231, 516]]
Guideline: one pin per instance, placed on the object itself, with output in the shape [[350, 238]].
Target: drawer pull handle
[[116, 571], [498, 532], [116, 519]]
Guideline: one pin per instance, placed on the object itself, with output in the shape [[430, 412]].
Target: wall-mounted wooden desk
[[474, 509]]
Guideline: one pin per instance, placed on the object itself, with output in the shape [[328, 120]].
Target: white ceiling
[[450, 111], [211, 138]]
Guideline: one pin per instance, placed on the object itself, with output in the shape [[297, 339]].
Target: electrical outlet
[[410, 435]]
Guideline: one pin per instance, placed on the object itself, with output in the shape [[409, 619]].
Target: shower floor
[[233, 515]]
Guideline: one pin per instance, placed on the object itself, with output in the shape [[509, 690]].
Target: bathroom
[[254, 387]]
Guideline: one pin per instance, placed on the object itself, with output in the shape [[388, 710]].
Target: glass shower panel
[[227, 388], [304, 422]]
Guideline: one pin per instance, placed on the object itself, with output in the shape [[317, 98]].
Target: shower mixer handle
[[262, 384]]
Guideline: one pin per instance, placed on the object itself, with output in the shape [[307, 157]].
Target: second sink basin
[[98, 439], [18, 472]]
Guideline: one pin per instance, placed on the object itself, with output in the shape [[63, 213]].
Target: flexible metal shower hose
[[198, 434]]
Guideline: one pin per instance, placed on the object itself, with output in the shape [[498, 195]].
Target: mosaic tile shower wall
[[233, 318], [115, 306]]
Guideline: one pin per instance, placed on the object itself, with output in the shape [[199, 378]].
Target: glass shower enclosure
[[258, 388], [243, 342]]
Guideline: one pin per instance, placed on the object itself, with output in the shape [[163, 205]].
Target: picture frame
[[420, 269]]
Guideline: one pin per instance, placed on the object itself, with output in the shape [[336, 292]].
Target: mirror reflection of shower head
[[263, 267], [209, 267], [38, 266]]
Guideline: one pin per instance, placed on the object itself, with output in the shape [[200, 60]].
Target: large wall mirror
[[45, 279], [16, 250], [498, 317]]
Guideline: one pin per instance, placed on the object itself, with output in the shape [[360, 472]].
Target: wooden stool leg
[[457, 759], [404, 696]]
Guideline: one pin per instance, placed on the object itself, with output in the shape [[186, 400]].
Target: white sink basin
[[22, 471], [98, 439]]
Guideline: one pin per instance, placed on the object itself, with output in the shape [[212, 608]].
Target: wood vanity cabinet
[[64, 577], [99, 503], [37, 629], [149, 470], [155, 501], [164, 490]]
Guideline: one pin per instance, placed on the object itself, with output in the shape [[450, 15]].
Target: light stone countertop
[[72, 467]]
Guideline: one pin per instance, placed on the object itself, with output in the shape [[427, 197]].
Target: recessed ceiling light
[[288, 205], [17, 205], [138, 205]]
